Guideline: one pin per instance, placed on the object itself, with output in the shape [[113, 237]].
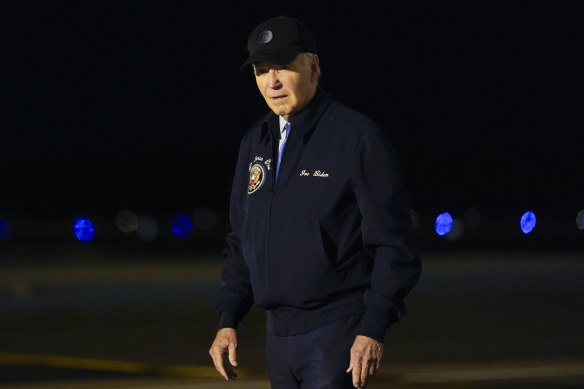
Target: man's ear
[[314, 68]]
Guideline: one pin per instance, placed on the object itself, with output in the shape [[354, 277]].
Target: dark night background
[[141, 105]]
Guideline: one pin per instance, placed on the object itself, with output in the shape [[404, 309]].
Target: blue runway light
[[4, 230], [527, 222], [443, 223], [182, 226], [83, 229]]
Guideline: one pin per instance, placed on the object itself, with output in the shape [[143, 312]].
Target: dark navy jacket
[[328, 239]]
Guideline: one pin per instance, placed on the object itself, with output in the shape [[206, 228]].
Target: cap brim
[[277, 57]]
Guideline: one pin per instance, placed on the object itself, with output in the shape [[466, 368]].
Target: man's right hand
[[225, 342]]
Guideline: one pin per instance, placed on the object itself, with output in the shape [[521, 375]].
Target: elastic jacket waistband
[[288, 321]]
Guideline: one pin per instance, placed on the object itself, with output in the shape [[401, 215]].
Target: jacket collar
[[305, 120], [302, 122]]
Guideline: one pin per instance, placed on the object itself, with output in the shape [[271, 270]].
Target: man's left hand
[[366, 356]]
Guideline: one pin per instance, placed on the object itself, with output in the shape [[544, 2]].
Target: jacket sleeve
[[235, 297], [386, 229]]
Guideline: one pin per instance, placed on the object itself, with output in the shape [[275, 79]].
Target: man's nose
[[274, 81]]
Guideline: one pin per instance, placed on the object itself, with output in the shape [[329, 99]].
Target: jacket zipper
[[268, 228]]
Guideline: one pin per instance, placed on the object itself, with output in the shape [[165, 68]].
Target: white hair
[[307, 59]]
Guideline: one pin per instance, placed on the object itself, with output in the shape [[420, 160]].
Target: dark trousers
[[315, 360]]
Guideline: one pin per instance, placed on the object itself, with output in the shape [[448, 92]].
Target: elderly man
[[320, 226]]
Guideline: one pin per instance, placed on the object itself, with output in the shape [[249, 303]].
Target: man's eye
[[262, 71]]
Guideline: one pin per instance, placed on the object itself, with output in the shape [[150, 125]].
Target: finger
[[357, 375], [218, 361], [372, 369], [232, 355], [350, 366], [364, 373]]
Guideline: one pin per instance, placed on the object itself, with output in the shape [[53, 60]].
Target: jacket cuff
[[375, 325], [228, 320], [372, 329]]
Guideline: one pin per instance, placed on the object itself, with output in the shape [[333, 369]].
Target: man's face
[[287, 89]]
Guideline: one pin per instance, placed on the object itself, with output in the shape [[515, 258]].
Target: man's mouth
[[279, 98]]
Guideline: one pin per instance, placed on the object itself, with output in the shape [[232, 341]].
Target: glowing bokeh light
[[127, 221], [456, 231], [527, 222], [580, 220], [182, 226], [83, 229], [4, 230], [443, 223]]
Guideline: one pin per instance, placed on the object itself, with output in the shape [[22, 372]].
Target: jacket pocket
[[319, 244], [297, 264]]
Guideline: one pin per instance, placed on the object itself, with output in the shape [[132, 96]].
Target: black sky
[[142, 104]]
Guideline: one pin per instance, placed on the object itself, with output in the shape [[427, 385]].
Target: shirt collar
[[283, 122]]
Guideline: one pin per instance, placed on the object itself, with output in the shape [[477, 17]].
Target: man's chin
[[281, 112]]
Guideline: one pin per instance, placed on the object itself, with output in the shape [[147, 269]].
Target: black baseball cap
[[279, 40]]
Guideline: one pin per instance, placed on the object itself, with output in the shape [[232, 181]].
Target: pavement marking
[[111, 365], [150, 383], [517, 370], [405, 374]]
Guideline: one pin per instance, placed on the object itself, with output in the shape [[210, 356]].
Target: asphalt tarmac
[[488, 319]]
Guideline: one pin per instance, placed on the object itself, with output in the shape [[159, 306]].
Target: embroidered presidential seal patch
[[257, 177]]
